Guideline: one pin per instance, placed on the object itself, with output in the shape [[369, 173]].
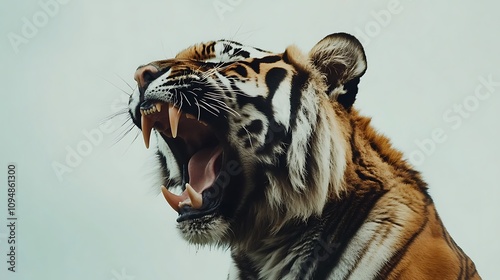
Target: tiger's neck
[[321, 241], [373, 168]]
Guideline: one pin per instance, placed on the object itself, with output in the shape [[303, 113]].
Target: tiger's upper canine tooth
[[172, 199], [158, 107], [174, 115], [146, 127], [195, 197]]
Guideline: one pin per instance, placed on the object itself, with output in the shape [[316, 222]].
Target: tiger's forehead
[[259, 68], [227, 57], [221, 51]]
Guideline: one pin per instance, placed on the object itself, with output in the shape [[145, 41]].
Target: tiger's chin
[[206, 230]]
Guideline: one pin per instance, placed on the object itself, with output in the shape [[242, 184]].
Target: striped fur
[[312, 191]]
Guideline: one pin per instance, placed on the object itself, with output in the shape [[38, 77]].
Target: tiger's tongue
[[202, 168]]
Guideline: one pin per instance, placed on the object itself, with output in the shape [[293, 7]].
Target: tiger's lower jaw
[[206, 230]]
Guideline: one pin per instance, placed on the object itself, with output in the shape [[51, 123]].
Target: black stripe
[[241, 52], [465, 266], [286, 58], [256, 62], [455, 248], [260, 50], [396, 258], [204, 50], [274, 77], [212, 48], [255, 127], [368, 177], [474, 271], [227, 48], [286, 269], [342, 221], [386, 221], [276, 135], [298, 84], [241, 70], [230, 41], [245, 266], [208, 65], [268, 59]]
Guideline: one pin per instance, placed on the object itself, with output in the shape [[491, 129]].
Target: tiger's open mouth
[[198, 151]]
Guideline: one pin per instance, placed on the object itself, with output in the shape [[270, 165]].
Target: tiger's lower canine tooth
[[194, 196], [172, 199]]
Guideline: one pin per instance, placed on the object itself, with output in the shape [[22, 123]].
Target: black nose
[[145, 75]]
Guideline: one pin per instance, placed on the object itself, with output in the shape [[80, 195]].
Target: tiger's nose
[[145, 75]]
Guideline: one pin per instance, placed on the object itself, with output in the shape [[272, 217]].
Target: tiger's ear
[[341, 60]]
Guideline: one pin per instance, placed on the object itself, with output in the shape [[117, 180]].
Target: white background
[[105, 220]]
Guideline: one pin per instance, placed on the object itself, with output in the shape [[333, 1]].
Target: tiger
[[264, 154]]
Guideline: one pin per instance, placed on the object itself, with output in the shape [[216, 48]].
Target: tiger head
[[247, 138]]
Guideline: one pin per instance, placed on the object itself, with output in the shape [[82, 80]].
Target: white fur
[[134, 102], [249, 89], [223, 56], [378, 240], [281, 103], [338, 161]]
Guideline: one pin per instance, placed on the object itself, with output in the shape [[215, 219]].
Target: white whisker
[[185, 97], [125, 82], [209, 105]]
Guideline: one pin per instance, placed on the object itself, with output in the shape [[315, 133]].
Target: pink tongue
[[202, 168]]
